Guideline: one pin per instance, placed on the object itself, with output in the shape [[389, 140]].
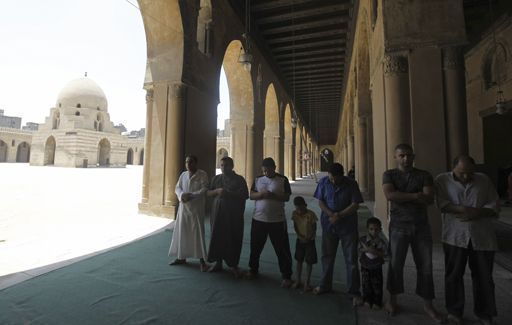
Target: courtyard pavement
[[51, 216]]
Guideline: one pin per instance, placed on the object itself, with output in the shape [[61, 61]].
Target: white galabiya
[[188, 237]]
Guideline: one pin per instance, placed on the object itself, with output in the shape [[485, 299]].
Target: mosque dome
[[82, 93]]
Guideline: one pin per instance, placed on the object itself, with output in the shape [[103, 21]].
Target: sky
[[46, 44]]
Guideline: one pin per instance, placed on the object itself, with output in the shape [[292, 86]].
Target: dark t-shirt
[[408, 213]]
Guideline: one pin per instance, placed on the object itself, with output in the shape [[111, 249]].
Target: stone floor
[[52, 217]]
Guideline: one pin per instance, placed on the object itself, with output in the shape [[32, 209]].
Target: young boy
[[372, 249], [304, 222]]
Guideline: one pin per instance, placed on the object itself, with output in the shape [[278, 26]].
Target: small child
[[304, 222], [372, 249]]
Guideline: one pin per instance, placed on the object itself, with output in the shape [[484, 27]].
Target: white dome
[[84, 93]]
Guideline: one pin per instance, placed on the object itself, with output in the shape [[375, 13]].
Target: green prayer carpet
[[135, 285]]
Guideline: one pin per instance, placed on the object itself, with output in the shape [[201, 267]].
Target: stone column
[[249, 161], [277, 154], [362, 167], [397, 101], [174, 150], [147, 145], [301, 152], [293, 155], [350, 152], [455, 103], [310, 158]]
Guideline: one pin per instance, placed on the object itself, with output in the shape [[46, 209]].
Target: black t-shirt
[[412, 181]]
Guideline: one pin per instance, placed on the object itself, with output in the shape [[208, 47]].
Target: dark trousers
[[330, 242], [278, 233], [372, 285], [420, 240], [480, 264]]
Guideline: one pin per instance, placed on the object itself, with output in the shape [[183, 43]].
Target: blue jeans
[[330, 241], [420, 240]]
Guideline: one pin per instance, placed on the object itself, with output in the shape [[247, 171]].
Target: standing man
[[188, 237], [339, 198], [410, 191], [468, 202], [229, 192], [270, 191]]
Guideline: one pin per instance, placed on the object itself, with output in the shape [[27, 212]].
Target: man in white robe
[[188, 237]]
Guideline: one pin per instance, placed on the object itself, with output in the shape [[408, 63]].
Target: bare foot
[[236, 272], [391, 308], [203, 267], [178, 261], [307, 288], [434, 314], [296, 285], [357, 301], [286, 283], [215, 267], [319, 291]]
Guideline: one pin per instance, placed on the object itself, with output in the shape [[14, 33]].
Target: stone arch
[[49, 151], [141, 157], [271, 132], [494, 65], [204, 28], [164, 41], [241, 109], [104, 152], [3, 151], [129, 157], [289, 143], [221, 153], [23, 152]]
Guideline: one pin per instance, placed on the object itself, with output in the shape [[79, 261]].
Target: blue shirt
[[338, 198]]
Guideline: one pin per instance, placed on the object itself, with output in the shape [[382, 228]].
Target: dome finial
[[85, 74]]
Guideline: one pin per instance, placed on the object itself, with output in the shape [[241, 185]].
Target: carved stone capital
[[395, 64], [149, 95], [452, 58], [178, 90]]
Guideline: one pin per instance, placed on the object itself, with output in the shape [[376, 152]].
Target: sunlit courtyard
[[51, 214]]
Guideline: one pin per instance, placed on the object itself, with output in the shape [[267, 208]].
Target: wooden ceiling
[[306, 43]]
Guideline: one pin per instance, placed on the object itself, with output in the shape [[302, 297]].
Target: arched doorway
[[104, 153], [326, 159], [289, 144], [271, 133], [23, 153], [49, 151], [129, 157], [141, 159], [221, 153], [241, 111], [3, 151]]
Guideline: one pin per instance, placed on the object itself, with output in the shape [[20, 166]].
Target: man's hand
[[422, 198], [334, 217], [185, 197], [469, 214], [219, 191]]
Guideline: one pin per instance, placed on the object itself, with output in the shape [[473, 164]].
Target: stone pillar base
[[158, 210]]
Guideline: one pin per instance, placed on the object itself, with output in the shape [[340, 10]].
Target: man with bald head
[[468, 202]]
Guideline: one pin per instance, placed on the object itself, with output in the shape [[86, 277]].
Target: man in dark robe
[[229, 192]]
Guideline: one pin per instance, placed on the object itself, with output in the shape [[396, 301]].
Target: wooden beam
[[310, 52], [334, 42], [305, 13], [301, 37], [306, 25]]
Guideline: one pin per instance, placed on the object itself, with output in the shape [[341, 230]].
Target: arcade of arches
[[404, 80]]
